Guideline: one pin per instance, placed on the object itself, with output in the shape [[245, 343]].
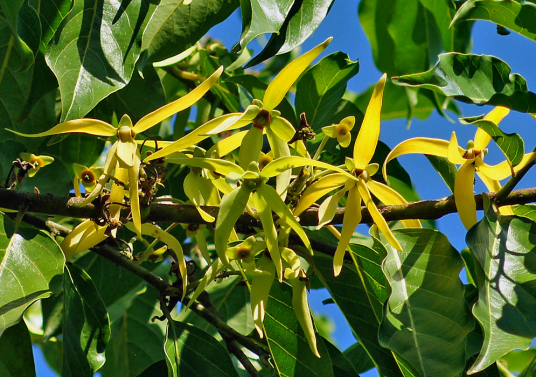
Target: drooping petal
[[219, 166], [377, 217], [421, 145], [482, 138], [327, 209], [209, 277], [454, 152], [497, 172], [87, 126], [117, 194], [251, 147], [126, 153], [227, 145], [282, 128], [284, 163], [191, 186], [133, 175], [367, 138], [388, 196], [317, 190], [280, 149], [351, 219], [281, 84], [86, 235], [303, 312], [174, 107], [463, 194], [261, 283]]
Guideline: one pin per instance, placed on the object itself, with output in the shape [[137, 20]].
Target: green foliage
[[239, 182]]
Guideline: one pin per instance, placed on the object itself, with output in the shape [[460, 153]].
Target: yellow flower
[[360, 188], [341, 131], [37, 161], [471, 161], [85, 176], [84, 236]]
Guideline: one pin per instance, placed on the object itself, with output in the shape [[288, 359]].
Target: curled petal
[[238, 120], [463, 194], [367, 138], [327, 209], [377, 217], [281, 84], [482, 138], [86, 235], [422, 145], [86, 126], [182, 103], [387, 196], [282, 128], [497, 172], [454, 152], [352, 218], [318, 189]]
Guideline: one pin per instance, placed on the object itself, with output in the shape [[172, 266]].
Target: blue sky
[[343, 25]]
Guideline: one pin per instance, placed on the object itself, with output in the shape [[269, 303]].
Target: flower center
[[242, 253], [364, 175], [125, 133], [262, 119], [263, 161], [342, 130], [471, 154], [36, 161], [88, 177]]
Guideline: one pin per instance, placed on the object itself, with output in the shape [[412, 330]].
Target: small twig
[[505, 191]]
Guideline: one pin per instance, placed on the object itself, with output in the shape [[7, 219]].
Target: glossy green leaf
[[174, 27], [137, 342], [426, 320], [261, 17], [320, 89], [512, 145], [503, 247], [190, 350], [519, 360], [86, 329], [303, 19], [51, 17], [16, 354], [530, 370], [231, 300], [15, 12], [519, 16], [31, 264], [446, 169], [87, 69], [360, 294], [286, 339], [478, 79], [526, 210]]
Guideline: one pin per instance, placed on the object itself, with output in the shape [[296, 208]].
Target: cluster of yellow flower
[[243, 186]]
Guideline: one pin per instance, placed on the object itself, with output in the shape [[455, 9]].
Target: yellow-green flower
[[84, 236], [124, 153], [37, 161], [359, 188], [341, 131], [85, 176], [471, 161]]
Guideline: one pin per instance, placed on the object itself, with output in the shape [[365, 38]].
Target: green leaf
[[17, 12], [503, 247], [360, 292], [529, 370], [232, 303], [136, 342], [31, 264], [192, 351], [342, 365], [86, 329], [51, 17], [261, 17], [426, 320], [16, 354], [475, 79], [525, 210], [519, 360], [303, 19], [519, 16], [174, 27], [359, 357], [87, 69], [511, 145], [320, 89], [291, 353], [446, 169], [157, 369]]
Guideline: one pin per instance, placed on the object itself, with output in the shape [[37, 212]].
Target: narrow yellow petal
[[280, 149], [86, 126], [497, 172], [352, 218], [174, 107], [317, 190], [423, 145], [377, 217], [86, 235], [454, 152], [281, 84], [303, 312], [261, 283], [330, 131], [367, 138], [126, 153], [327, 209], [237, 120], [482, 138], [463, 194], [388, 196], [133, 174], [227, 145], [282, 128], [251, 147]]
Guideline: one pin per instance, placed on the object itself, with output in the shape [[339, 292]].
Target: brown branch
[[49, 204]]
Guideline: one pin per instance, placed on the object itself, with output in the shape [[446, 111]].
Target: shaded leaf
[[504, 249], [303, 19], [224, 91], [519, 360], [290, 350], [11, 10], [342, 364], [529, 370], [446, 169], [360, 292], [511, 145], [86, 329], [16, 354], [31, 264], [157, 369], [426, 320], [359, 357], [51, 17], [193, 351], [519, 16], [320, 89], [94, 51], [174, 27], [475, 79]]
